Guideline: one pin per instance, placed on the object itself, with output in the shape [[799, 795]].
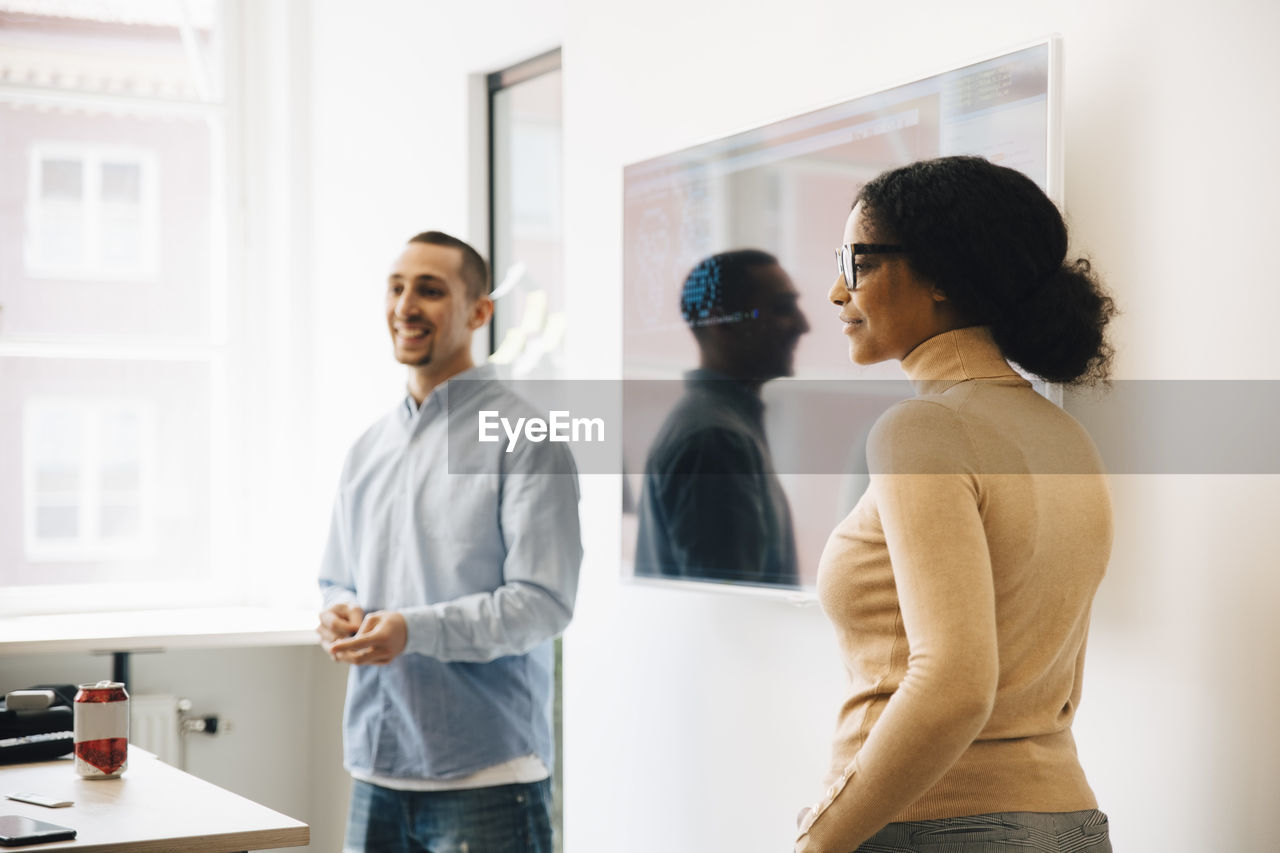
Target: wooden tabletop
[[152, 807]]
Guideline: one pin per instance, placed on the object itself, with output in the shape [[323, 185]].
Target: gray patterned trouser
[[1002, 832]]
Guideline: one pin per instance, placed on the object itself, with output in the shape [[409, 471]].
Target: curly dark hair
[[994, 243]]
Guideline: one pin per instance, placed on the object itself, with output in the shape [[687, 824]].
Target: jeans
[[1002, 832], [502, 819]]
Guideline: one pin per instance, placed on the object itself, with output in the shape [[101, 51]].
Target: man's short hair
[[475, 271], [716, 289]]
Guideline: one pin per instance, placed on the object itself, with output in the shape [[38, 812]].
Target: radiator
[[155, 724]]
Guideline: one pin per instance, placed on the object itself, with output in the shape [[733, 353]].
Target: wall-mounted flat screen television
[[739, 487]]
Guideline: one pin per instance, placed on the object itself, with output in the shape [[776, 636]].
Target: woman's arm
[[927, 491]]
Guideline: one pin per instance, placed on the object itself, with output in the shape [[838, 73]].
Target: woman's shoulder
[[997, 431], [921, 435]]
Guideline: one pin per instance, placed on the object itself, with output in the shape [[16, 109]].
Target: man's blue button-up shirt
[[484, 567]]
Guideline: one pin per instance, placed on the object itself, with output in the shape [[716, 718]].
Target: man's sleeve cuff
[[333, 594], [423, 627]]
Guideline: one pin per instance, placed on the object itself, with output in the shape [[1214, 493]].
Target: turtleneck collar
[[956, 356]]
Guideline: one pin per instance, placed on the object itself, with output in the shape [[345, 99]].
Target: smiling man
[[444, 589]]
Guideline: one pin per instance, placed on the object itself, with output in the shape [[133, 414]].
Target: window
[[91, 213], [116, 339], [525, 219]]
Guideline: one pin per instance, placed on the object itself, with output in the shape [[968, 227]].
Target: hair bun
[[1056, 330]]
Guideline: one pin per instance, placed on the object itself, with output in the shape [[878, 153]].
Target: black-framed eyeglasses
[[844, 258]]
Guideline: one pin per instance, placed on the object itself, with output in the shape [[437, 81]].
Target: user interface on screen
[[772, 481]]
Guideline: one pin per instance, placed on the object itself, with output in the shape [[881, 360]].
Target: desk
[[152, 808]]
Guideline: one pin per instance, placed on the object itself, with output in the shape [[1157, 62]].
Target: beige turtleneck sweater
[[960, 589]]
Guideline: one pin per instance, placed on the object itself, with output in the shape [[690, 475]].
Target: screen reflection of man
[[712, 507]]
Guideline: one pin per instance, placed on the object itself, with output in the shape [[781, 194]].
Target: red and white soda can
[[102, 730]]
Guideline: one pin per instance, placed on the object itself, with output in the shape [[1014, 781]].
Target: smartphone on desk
[[18, 831]]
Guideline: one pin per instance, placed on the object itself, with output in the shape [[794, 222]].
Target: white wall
[[392, 108], [701, 722]]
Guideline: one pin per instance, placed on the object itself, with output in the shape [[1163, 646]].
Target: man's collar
[[465, 384]]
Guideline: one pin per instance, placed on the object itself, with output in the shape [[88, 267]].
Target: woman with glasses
[[960, 585]]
